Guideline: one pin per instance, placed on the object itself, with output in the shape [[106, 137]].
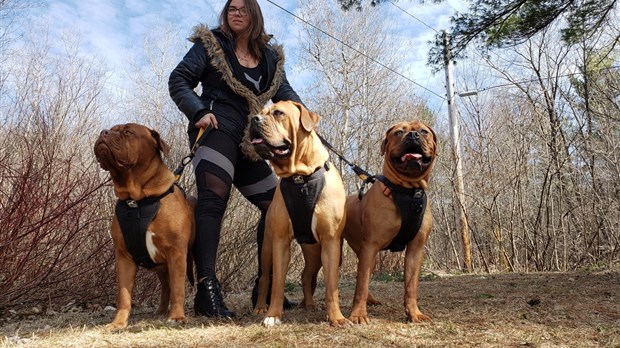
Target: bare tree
[[528, 147], [356, 89], [50, 212]]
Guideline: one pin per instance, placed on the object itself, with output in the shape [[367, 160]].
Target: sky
[[112, 29]]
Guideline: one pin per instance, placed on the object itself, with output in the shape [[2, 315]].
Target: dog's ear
[[161, 144], [309, 120], [384, 142], [434, 135]]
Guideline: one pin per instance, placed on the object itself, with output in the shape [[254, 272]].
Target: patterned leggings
[[219, 163]]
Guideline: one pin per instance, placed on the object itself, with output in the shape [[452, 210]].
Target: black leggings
[[219, 163]]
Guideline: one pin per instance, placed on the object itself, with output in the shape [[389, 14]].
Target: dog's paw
[[414, 315], [260, 310], [115, 326], [371, 301], [419, 317], [177, 321], [271, 321], [340, 322], [359, 319], [308, 305]]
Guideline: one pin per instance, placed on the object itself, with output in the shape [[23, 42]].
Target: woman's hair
[[257, 37]]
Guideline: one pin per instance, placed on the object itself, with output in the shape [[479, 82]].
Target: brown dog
[[144, 187], [374, 222], [284, 134]]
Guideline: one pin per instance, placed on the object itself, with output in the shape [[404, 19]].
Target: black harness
[[411, 203], [134, 218], [300, 193]]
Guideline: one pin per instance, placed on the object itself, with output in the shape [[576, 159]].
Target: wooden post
[[456, 153]]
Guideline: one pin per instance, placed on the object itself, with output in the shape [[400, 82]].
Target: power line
[[356, 50], [546, 78], [414, 17]]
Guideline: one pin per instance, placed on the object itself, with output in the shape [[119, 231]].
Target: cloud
[[113, 30]]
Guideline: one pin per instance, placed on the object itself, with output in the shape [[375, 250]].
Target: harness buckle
[[387, 192], [132, 204], [298, 179]]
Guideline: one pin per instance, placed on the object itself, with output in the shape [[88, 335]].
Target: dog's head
[[409, 153], [283, 133], [127, 146]]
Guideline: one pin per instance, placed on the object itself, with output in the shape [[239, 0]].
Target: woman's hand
[[207, 120]]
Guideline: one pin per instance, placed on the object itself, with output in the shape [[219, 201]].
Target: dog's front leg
[[281, 257], [263, 281], [413, 264], [177, 268], [365, 265], [312, 265], [126, 271], [164, 299], [330, 256]]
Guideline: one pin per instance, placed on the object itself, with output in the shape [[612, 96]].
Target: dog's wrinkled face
[[409, 149], [124, 146], [275, 131]]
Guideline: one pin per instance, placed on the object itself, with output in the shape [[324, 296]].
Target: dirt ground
[[578, 309]]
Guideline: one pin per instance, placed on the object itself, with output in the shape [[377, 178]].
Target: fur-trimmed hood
[[219, 61]]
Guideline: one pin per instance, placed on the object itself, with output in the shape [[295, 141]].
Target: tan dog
[[374, 222], [132, 155], [284, 134]]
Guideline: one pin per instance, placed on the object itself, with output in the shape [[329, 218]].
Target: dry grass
[[501, 310]]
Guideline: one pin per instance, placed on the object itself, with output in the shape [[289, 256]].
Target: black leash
[[202, 133], [361, 173]]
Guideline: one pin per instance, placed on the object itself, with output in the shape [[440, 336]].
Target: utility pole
[[456, 152]]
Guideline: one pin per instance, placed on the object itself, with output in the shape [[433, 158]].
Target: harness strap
[[134, 218], [148, 200], [411, 203], [300, 193]]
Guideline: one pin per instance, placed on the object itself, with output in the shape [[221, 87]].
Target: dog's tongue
[[258, 141], [411, 156]]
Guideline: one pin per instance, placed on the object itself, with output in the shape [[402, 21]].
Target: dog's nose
[[414, 135]]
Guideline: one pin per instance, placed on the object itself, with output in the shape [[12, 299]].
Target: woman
[[239, 72]]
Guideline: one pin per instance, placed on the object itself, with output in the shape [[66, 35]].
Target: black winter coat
[[212, 62]]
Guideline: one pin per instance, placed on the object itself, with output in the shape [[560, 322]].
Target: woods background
[[540, 151]]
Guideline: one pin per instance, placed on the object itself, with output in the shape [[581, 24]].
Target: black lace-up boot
[[287, 304], [209, 301]]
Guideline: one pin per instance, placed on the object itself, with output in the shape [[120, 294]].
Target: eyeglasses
[[242, 11]]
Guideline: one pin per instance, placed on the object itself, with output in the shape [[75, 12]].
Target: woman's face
[[238, 18]]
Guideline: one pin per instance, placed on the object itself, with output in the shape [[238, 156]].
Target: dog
[[153, 224], [374, 221], [283, 133]]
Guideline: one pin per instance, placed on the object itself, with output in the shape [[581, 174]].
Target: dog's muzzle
[[262, 147], [413, 155]]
